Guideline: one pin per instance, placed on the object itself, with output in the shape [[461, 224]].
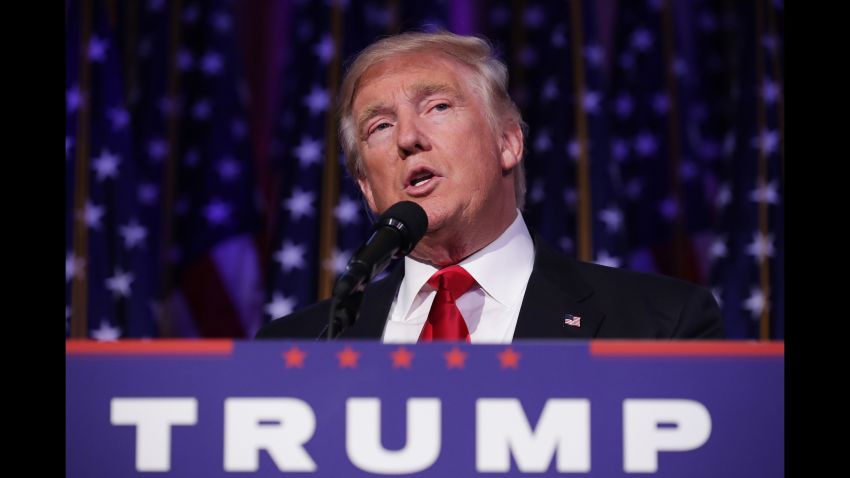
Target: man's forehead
[[421, 72]]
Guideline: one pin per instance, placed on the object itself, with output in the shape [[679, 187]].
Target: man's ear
[[367, 193], [512, 146]]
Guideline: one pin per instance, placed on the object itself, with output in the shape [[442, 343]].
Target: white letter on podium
[[690, 427], [501, 428], [281, 426], [363, 436], [153, 418]]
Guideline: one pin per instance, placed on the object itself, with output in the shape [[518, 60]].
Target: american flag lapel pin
[[572, 320]]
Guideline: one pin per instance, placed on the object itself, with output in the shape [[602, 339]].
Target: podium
[[219, 408]]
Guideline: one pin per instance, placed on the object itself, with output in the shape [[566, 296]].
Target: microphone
[[396, 233]]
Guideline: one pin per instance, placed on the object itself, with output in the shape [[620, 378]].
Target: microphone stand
[[343, 313]]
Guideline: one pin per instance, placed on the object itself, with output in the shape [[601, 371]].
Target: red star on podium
[[509, 358], [348, 357], [401, 358], [294, 357], [455, 358]]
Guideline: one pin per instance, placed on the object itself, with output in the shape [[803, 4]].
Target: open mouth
[[421, 178], [421, 182]]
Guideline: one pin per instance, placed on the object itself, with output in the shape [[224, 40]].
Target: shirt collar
[[500, 269]]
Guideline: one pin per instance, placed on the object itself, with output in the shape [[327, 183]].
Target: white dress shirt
[[490, 308]]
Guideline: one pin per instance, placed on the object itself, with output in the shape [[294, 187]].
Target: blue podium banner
[[218, 408]]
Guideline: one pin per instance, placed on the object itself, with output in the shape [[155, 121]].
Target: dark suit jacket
[[612, 303]]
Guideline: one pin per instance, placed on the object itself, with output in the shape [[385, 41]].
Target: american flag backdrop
[[205, 187]]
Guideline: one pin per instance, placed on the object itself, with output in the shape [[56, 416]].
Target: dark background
[[204, 187]]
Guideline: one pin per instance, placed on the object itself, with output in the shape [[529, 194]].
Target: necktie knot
[[453, 279]]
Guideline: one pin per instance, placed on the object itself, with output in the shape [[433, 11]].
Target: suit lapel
[[556, 291], [375, 308]]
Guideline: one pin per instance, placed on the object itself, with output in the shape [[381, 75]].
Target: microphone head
[[409, 219]]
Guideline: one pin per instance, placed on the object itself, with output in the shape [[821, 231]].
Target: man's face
[[423, 136]]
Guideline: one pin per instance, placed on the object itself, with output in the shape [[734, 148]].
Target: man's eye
[[381, 127], [442, 107]]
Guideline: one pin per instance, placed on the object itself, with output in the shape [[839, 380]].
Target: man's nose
[[411, 138]]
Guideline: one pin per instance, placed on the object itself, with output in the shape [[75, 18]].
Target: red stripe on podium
[[150, 347], [686, 348]]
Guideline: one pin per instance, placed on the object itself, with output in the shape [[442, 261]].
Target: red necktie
[[444, 319]]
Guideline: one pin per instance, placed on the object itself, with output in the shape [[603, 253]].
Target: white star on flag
[[337, 261], [157, 149], [634, 188], [148, 193], [192, 158], [605, 259], [550, 89], [202, 109], [680, 67], [325, 49], [767, 141], [592, 100], [717, 248], [119, 283], [660, 103], [641, 39], [74, 266], [300, 204], [238, 128], [185, 60], [756, 302], [280, 306], [537, 193], [92, 214], [155, 5], [134, 234], [346, 211], [594, 54], [106, 165], [624, 105], [119, 117], [290, 256], [761, 247], [317, 101], [69, 143], [570, 196], [574, 149], [534, 16], [612, 218], [619, 149], [221, 22], [97, 48], [217, 212], [229, 169], [211, 63], [191, 13], [770, 92], [543, 142], [668, 208], [724, 196], [73, 99], [106, 332], [558, 38], [766, 193], [308, 152], [645, 144]]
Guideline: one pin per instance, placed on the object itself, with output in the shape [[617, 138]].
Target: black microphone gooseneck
[[395, 234]]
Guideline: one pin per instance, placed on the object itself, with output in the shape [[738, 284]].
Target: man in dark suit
[[426, 117]]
